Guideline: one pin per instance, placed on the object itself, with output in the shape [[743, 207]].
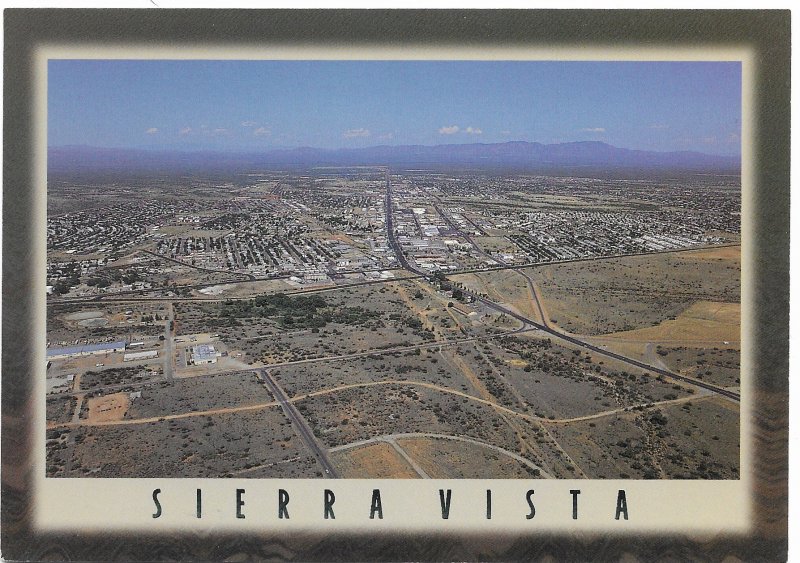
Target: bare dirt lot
[[495, 244], [107, 407]]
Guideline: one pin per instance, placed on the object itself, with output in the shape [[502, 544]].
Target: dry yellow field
[[376, 461], [702, 322]]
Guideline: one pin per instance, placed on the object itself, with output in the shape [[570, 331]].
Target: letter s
[[532, 513], [158, 504]]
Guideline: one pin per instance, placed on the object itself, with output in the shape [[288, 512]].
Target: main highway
[[300, 424], [395, 246]]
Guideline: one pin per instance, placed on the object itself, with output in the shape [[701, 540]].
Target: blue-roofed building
[[85, 350]]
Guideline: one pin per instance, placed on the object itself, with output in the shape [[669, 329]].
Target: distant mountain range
[[517, 155]]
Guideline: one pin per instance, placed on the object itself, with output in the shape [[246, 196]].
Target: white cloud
[[505, 133], [360, 132], [261, 131], [473, 131], [659, 126], [220, 131], [185, 131], [152, 131], [386, 136], [594, 129], [248, 123], [449, 130]]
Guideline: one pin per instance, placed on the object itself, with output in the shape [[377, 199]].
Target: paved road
[[393, 244], [608, 353], [300, 424]]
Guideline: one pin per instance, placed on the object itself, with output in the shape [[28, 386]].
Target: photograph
[[393, 269], [395, 285]]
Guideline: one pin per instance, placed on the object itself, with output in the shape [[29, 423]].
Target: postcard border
[[766, 32]]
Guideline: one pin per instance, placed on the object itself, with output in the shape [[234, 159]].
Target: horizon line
[[241, 150]]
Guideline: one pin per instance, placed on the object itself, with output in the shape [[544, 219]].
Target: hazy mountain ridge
[[515, 154]]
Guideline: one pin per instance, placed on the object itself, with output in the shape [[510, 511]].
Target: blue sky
[[235, 105]]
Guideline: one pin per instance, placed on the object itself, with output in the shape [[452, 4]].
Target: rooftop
[[86, 348], [203, 352]]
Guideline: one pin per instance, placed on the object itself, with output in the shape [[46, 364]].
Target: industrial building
[[144, 355], [85, 350], [204, 354]]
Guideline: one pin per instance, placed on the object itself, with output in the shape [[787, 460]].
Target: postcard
[[287, 287]]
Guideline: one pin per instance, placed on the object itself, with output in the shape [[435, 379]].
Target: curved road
[[297, 398]]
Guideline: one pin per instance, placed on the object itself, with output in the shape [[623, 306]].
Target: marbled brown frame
[[766, 32]]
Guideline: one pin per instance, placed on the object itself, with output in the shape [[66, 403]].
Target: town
[[381, 322], [333, 229]]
